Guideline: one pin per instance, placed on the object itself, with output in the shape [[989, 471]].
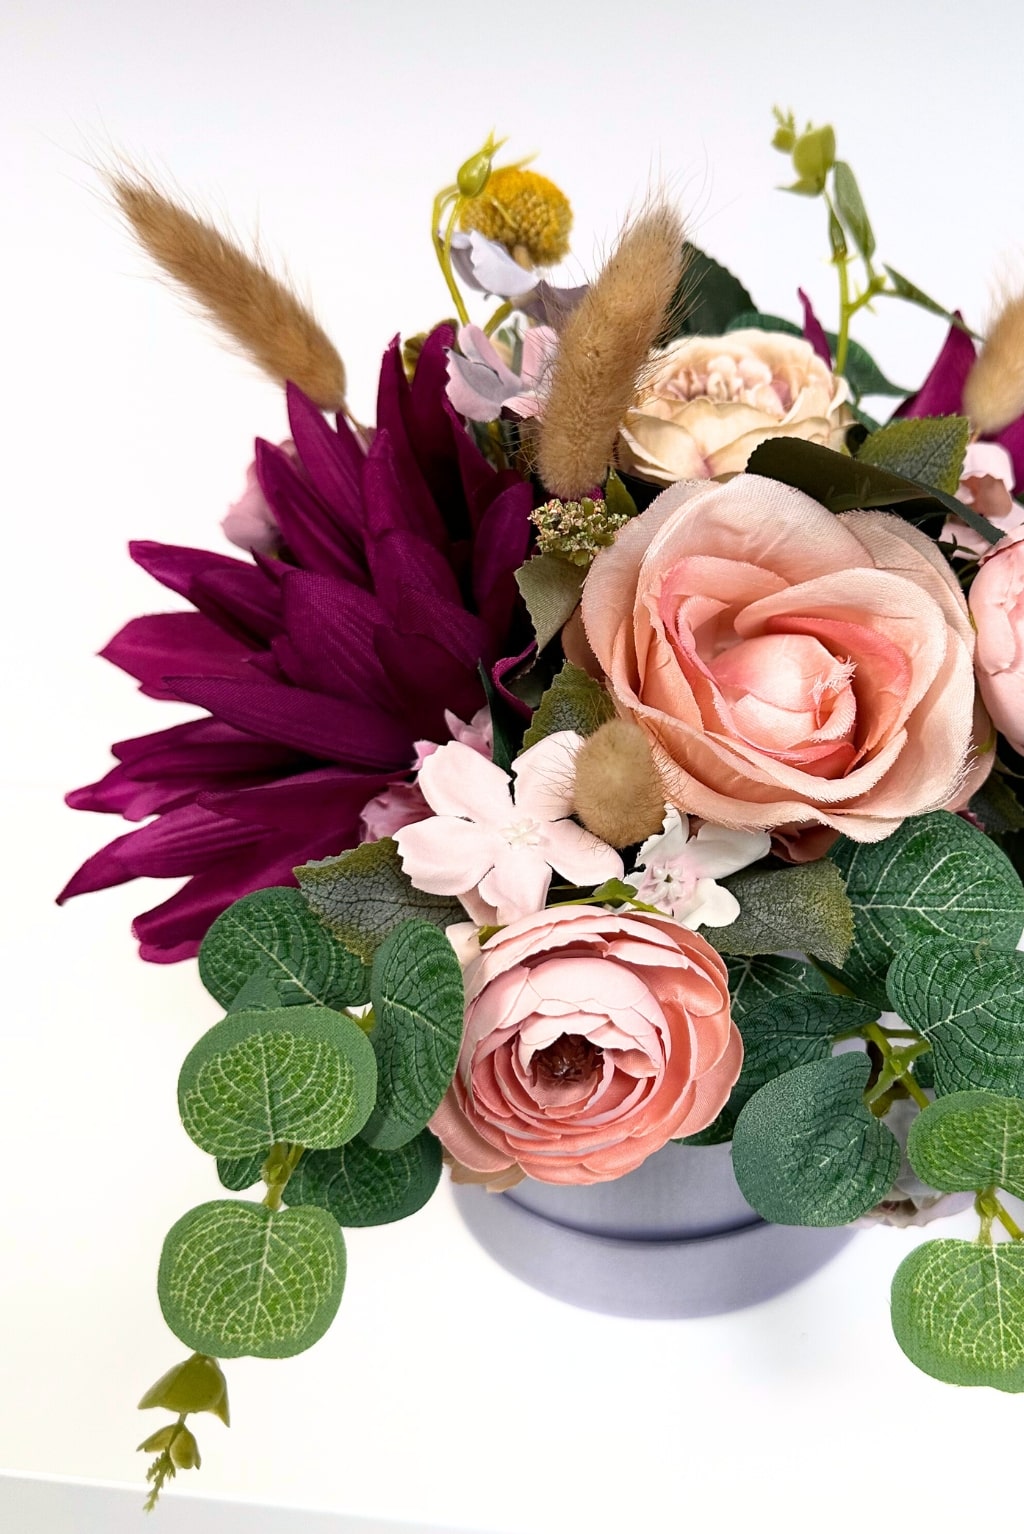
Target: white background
[[446, 1392]]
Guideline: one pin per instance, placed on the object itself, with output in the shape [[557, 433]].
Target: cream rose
[[792, 668], [712, 399]]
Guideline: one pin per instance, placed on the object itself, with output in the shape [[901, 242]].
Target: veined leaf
[[273, 936], [363, 895], [970, 1140], [958, 1312], [362, 1186], [574, 701], [929, 449], [804, 908], [968, 1001]]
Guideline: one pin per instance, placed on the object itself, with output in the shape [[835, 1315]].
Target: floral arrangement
[[620, 743]]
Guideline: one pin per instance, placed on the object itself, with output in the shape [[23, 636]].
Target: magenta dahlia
[[320, 668]]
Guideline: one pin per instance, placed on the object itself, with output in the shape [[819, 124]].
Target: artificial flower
[[481, 383], [942, 393], [676, 872], [997, 608], [250, 524], [710, 400], [487, 267], [495, 853], [321, 669], [592, 1037], [792, 668], [986, 485], [400, 804]]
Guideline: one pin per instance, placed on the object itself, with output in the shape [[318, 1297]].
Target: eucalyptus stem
[[277, 1169], [988, 1207], [896, 1064]]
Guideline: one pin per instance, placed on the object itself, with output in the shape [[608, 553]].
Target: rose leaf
[[574, 701], [363, 895], [804, 908], [930, 450], [551, 589]]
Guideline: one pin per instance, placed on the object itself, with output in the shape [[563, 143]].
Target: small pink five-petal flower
[[494, 852]]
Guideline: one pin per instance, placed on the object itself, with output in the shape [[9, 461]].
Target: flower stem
[[443, 245], [896, 1064], [501, 314]]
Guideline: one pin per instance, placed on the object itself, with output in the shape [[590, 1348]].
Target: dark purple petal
[[311, 531], [328, 641], [326, 801], [176, 843], [432, 680], [508, 667], [333, 462], [502, 544], [1012, 438], [208, 745], [148, 648], [400, 495], [943, 389], [239, 597], [402, 561], [813, 331]]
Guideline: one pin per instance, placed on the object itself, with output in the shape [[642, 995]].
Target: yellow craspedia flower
[[524, 212]]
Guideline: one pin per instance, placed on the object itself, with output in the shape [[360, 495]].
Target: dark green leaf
[[929, 449], [272, 936], [362, 1186], [301, 1074], [934, 877], [805, 908], [574, 701], [506, 725], [418, 1005], [239, 1280], [806, 1150], [968, 1001], [363, 895], [707, 299], [997, 807], [905, 289], [551, 590], [851, 209], [958, 1312], [970, 1141], [241, 1172], [755, 981]]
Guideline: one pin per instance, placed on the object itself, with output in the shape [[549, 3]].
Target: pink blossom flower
[[494, 853], [402, 804], [676, 872], [481, 384], [986, 485], [250, 523], [997, 607], [592, 1037]]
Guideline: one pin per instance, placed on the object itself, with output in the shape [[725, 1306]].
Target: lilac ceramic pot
[[676, 1238]]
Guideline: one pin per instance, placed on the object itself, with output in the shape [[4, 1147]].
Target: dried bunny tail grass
[[994, 391], [236, 291], [604, 350], [618, 793]]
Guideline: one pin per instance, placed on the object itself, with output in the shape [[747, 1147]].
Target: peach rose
[[712, 399], [591, 1039], [792, 668], [997, 607]]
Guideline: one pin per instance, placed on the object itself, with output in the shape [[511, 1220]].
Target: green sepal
[[363, 895], [418, 1005], [968, 1002], [970, 1141], [806, 1151], [301, 1074], [934, 877], [804, 908], [551, 589], [958, 1312], [362, 1186], [617, 498], [928, 449], [574, 701], [196, 1385], [239, 1280], [272, 936]]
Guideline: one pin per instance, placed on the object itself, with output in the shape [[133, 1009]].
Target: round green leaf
[[968, 1001], [806, 1151], [363, 1186], [302, 1074], [934, 877], [273, 935], [240, 1280], [755, 981], [970, 1140], [958, 1312], [417, 996], [241, 1172]]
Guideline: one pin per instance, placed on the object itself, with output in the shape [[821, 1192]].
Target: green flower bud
[[196, 1385], [185, 1451], [814, 155], [157, 1442]]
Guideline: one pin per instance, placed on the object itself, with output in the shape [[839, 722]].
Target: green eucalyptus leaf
[[777, 1037], [852, 210], [958, 1312], [418, 1005], [301, 1074], [574, 701], [968, 1001], [935, 877], [805, 908], [551, 589], [362, 1186], [707, 298], [842, 484], [363, 895], [907, 290], [928, 449], [240, 1173], [258, 995], [273, 937], [806, 1151], [970, 1141], [239, 1280], [761, 979]]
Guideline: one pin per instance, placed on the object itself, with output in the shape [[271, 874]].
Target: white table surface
[[447, 1394]]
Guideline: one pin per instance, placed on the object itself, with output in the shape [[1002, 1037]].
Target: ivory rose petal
[[793, 669], [592, 1037]]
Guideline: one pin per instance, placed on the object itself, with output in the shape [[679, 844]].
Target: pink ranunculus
[[997, 607], [592, 1037], [986, 485], [792, 668]]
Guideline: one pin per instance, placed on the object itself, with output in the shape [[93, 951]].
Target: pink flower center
[[733, 381], [788, 694], [570, 1058]]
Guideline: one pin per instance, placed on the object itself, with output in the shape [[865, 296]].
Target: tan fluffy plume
[[238, 292], [604, 350], [994, 391], [618, 793]]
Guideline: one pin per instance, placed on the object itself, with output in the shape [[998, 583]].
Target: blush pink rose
[[793, 669], [997, 607], [591, 1039]]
